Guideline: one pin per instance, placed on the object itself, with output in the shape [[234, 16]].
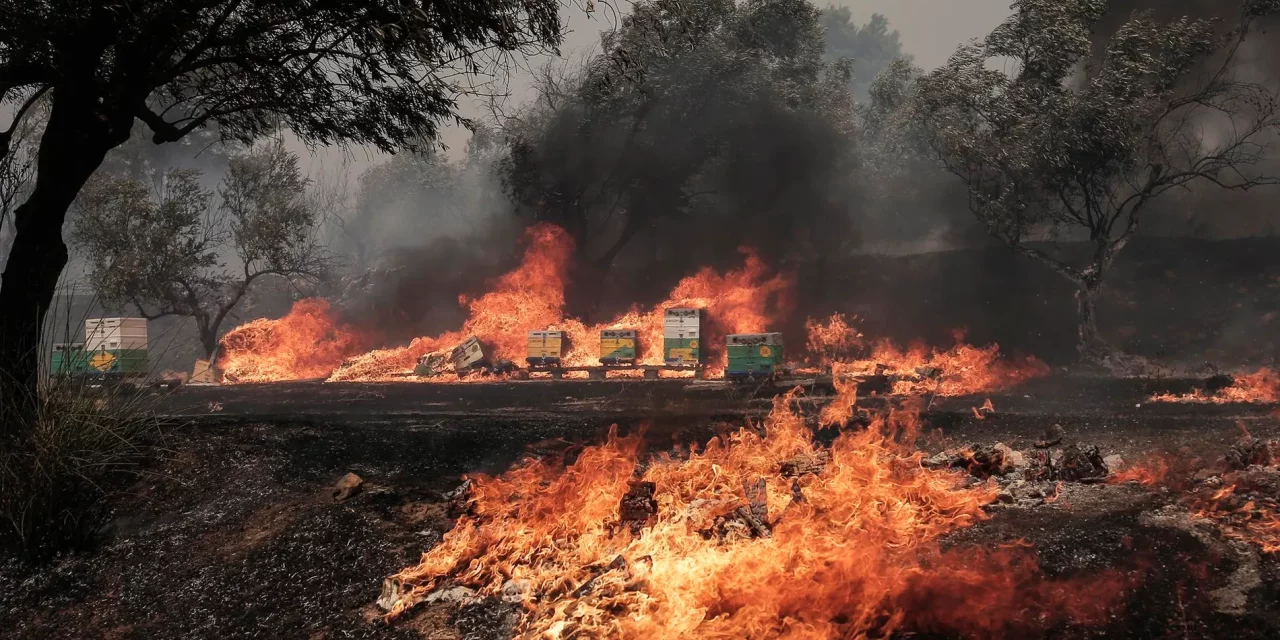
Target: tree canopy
[[696, 118], [187, 253], [369, 72], [870, 48], [1057, 142]]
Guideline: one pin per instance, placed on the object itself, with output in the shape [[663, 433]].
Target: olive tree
[[189, 253], [1059, 139], [374, 72]]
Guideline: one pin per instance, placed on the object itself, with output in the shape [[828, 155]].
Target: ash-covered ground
[[236, 531]]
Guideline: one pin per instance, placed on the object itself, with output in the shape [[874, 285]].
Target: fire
[[752, 536], [531, 298], [1260, 387], [961, 370], [306, 343], [1243, 515], [1148, 473], [528, 298]]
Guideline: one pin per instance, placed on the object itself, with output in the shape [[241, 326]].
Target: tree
[[333, 71], [1065, 145], [870, 48], [168, 257], [700, 125]]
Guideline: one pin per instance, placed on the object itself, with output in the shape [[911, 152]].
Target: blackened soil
[[235, 533]]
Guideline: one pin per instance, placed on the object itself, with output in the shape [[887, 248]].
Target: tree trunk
[[74, 144], [1089, 342]]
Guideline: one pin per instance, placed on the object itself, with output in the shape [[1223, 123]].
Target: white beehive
[[682, 324], [115, 333]]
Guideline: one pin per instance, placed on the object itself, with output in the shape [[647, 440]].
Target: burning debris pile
[[760, 534], [308, 343], [1260, 387], [530, 300]]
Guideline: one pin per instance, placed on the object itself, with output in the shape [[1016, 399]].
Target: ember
[[752, 536]]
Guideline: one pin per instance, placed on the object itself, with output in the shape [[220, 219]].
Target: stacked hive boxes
[[545, 348], [617, 346], [754, 353], [116, 345], [682, 337]]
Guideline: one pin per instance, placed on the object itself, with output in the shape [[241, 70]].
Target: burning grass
[[310, 343], [1260, 387], [762, 534]]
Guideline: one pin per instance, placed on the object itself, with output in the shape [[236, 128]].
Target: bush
[[80, 444]]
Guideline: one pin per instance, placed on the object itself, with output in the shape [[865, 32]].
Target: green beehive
[[617, 346], [68, 359], [754, 354], [681, 332], [115, 346]]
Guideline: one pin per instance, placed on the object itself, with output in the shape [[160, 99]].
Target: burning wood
[[1259, 387], [638, 506], [866, 527]]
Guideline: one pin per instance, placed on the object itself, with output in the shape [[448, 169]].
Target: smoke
[[1206, 211]]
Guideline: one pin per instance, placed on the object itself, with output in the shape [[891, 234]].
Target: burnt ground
[[234, 531]]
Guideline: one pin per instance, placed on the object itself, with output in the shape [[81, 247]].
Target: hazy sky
[[931, 30]]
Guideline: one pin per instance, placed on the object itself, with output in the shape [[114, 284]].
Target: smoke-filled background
[[666, 138]]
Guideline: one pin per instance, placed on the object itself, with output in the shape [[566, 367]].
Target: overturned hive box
[[754, 353], [469, 356], [618, 346]]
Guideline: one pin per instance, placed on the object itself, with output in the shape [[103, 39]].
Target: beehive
[[545, 348], [682, 337], [617, 346], [753, 353], [468, 355], [116, 345]]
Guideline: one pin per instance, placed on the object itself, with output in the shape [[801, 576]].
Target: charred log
[[638, 506], [805, 463], [1249, 451], [1081, 464]]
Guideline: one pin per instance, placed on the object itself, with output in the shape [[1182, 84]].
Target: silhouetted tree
[[360, 71]]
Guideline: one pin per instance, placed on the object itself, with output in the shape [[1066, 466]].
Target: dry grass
[[81, 443]]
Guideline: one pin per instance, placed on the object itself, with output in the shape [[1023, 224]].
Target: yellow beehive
[[545, 348]]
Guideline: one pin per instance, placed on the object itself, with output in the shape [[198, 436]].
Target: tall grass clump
[[79, 444]]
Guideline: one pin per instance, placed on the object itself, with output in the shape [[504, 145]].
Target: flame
[[531, 298], [848, 548], [961, 370], [306, 343], [1260, 387], [1151, 472], [1243, 516]]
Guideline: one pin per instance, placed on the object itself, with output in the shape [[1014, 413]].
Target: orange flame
[[1243, 518], [733, 549], [531, 297], [1148, 473], [306, 343], [1259, 387], [961, 370]]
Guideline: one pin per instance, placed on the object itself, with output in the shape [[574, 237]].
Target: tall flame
[[531, 298], [849, 549], [307, 343]]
